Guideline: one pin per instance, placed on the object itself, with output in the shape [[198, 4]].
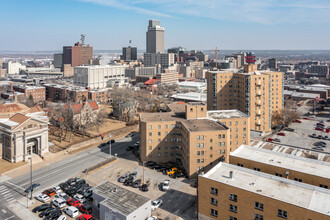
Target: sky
[[34, 25]]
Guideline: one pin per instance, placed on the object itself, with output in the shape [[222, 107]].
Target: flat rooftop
[[225, 114], [300, 164], [119, 199], [292, 192]]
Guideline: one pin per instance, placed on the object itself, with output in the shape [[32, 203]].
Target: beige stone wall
[[196, 111], [245, 204]]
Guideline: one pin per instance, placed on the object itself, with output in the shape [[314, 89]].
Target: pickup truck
[[166, 185]]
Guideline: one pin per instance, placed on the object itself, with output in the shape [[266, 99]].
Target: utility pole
[[143, 172], [110, 146], [31, 177]]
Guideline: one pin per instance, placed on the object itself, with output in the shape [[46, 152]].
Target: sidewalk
[[19, 208]]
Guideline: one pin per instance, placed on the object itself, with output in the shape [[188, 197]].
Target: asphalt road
[[56, 173]]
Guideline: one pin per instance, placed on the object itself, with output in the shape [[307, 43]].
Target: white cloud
[[253, 11]]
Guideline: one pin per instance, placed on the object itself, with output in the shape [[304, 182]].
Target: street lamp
[[31, 176], [110, 145]]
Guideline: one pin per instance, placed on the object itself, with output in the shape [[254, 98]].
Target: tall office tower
[[272, 64], [256, 93], [155, 37], [77, 55], [129, 53]]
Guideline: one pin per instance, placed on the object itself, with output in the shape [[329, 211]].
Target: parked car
[[173, 170], [318, 129], [73, 202], [86, 217], [326, 138], [59, 203], [71, 191], [136, 183], [306, 118], [61, 217], [177, 175], [71, 211], [33, 187], [318, 148], [166, 185], [88, 193], [63, 196], [85, 208], [133, 174], [42, 198], [46, 212], [129, 148], [49, 192], [57, 189], [297, 121], [155, 204], [41, 208], [320, 137], [129, 181], [64, 185], [53, 214], [313, 136], [123, 178], [144, 187], [152, 218], [150, 164], [80, 198], [111, 141], [281, 134], [289, 129], [276, 140]]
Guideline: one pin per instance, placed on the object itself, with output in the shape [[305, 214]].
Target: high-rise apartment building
[[129, 53], [191, 137], [155, 37], [320, 70], [256, 93], [263, 184], [272, 64]]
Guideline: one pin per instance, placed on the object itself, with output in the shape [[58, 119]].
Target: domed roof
[[12, 108]]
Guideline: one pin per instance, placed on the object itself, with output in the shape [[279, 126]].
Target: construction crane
[[216, 56]]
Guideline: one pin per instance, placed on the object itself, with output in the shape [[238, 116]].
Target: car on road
[[155, 204], [71, 211], [73, 202], [166, 185], [297, 121], [49, 192], [42, 197], [85, 208], [281, 134], [59, 203], [123, 178], [318, 129], [33, 187], [136, 183], [53, 214], [289, 129], [144, 187], [86, 217], [313, 136], [41, 208]]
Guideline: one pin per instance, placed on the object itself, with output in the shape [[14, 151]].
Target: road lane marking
[[15, 185], [13, 216], [4, 211]]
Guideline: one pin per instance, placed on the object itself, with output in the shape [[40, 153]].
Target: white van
[[71, 211], [59, 202]]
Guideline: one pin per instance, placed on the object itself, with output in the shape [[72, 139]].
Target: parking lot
[[300, 137], [179, 200]]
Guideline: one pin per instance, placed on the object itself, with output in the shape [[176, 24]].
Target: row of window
[[280, 213], [159, 126]]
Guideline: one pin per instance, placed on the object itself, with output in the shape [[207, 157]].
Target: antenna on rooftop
[[82, 38], [129, 42]]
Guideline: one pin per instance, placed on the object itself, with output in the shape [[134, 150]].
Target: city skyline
[[110, 24]]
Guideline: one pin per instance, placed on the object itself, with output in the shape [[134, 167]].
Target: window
[[297, 179], [219, 136], [223, 143], [198, 153], [202, 137], [214, 212], [150, 141], [150, 155], [158, 154], [202, 152], [202, 145], [223, 136], [324, 186], [232, 218], [202, 109], [150, 127], [233, 197], [233, 208], [229, 123], [236, 136], [191, 110], [259, 206], [244, 122], [211, 140], [214, 191], [172, 126], [281, 213], [258, 217], [219, 144], [198, 160], [165, 140], [278, 174], [214, 201], [211, 155], [150, 148], [202, 160], [159, 126], [150, 134], [198, 137], [158, 133], [211, 148], [244, 135], [198, 145], [240, 165], [257, 169], [166, 126]]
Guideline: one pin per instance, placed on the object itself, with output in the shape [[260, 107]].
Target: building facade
[[155, 37], [129, 53], [99, 95], [24, 132], [63, 93], [160, 60], [38, 93], [168, 78], [233, 192], [140, 71], [99, 77], [258, 94], [77, 55]]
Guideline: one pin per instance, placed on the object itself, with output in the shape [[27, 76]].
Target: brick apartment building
[[63, 93], [99, 95], [37, 92], [256, 93], [187, 136]]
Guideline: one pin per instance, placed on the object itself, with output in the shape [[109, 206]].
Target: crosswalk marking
[[2, 186], [10, 200], [5, 190], [4, 193], [7, 196]]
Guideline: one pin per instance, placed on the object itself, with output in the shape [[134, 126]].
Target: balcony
[[258, 113], [258, 103], [258, 122], [258, 83], [259, 93]]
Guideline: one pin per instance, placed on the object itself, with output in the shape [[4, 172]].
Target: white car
[[155, 204], [62, 217], [60, 195], [166, 185], [80, 198], [42, 197], [71, 211], [152, 218], [59, 203], [57, 189]]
